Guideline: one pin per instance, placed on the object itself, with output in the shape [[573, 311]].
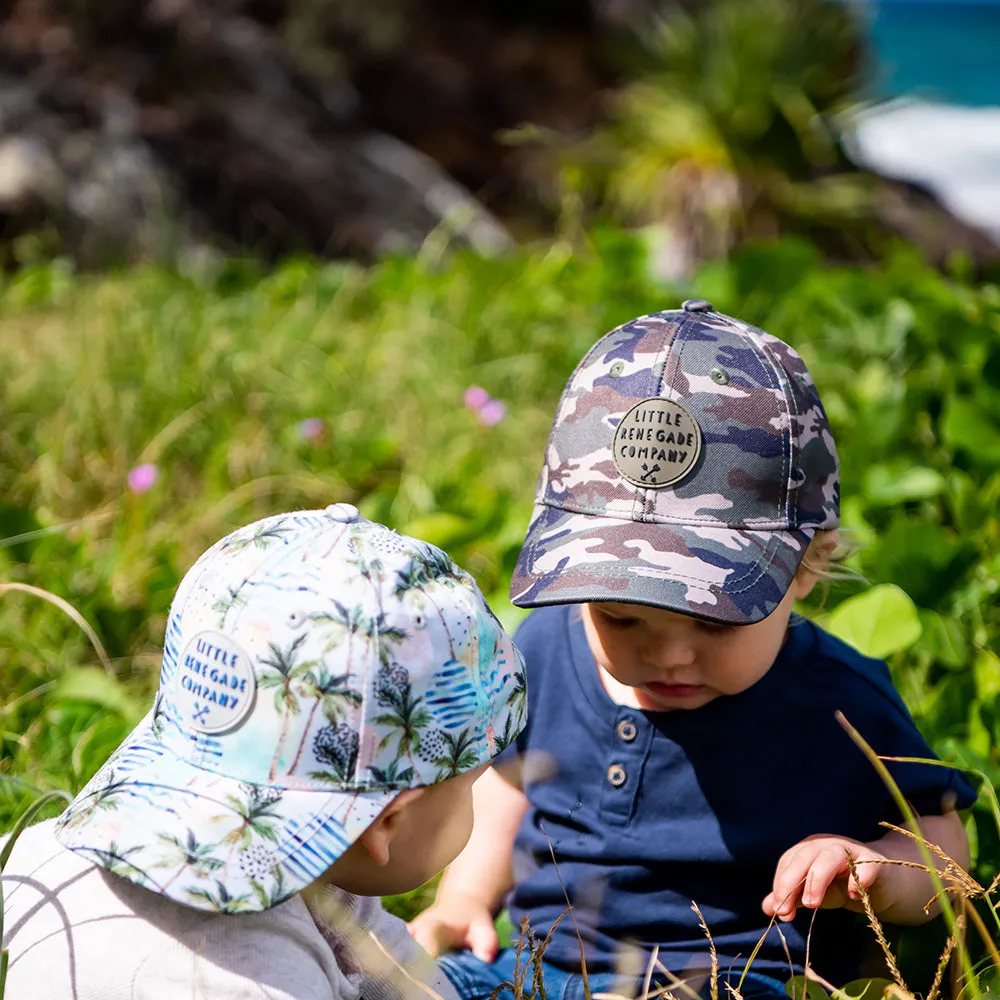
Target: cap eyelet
[[343, 512], [718, 376], [295, 619], [616, 369]]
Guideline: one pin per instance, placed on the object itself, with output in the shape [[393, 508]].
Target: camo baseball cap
[[689, 465], [315, 664]]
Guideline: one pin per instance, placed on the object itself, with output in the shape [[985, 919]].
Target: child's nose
[[668, 650]]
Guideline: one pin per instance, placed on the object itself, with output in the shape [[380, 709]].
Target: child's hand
[[814, 873], [455, 923]]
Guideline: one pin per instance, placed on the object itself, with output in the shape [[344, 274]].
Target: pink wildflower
[[476, 397], [143, 478], [492, 412], [312, 429]]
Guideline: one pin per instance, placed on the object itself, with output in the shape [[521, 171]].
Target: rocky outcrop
[[132, 129], [127, 129]]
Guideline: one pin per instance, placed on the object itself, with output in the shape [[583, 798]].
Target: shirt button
[[617, 776], [627, 731]]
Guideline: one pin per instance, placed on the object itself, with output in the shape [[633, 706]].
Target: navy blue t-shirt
[[649, 811]]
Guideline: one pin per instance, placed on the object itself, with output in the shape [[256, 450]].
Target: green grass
[[210, 377], [210, 381]]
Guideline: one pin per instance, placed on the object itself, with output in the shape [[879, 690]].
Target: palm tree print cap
[[314, 665]]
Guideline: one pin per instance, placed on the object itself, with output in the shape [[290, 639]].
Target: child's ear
[[817, 557], [802, 585], [378, 837]]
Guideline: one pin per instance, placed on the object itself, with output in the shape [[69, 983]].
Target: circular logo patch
[[215, 684], [657, 443]]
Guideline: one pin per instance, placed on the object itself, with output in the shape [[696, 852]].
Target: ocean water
[[938, 51], [932, 113]]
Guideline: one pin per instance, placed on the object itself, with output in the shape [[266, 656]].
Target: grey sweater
[[76, 932]]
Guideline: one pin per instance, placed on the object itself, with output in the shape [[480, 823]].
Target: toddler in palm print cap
[[329, 692]]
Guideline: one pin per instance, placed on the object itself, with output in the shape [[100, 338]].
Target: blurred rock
[[168, 129], [100, 189], [132, 130], [28, 174]]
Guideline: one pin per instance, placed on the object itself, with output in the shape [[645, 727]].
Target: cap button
[[343, 512], [697, 306]]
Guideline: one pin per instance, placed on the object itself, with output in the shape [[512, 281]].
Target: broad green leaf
[[875, 381], [800, 988], [967, 426], [899, 320], [972, 832], [980, 734], [92, 684], [879, 622], [924, 558], [887, 485], [944, 638], [504, 928], [864, 989], [986, 668], [949, 704]]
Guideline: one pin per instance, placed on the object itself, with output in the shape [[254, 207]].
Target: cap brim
[[730, 575], [207, 840]]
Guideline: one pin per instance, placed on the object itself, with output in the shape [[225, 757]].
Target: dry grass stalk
[[647, 992], [970, 911], [784, 946], [681, 984], [890, 959], [733, 991], [813, 976], [569, 910], [525, 939], [648, 978], [714, 983], [424, 987], [955, 878], [956, 885], [952, 870], [367, 949], [945, 958], [538, 953], [527, 942]]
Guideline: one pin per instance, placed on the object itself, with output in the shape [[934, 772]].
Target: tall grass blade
[[68, 609]]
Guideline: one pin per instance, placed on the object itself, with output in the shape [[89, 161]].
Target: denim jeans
[[476, 980]]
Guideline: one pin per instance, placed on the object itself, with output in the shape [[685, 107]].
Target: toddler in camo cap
[[329, 692], [688, 496]]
